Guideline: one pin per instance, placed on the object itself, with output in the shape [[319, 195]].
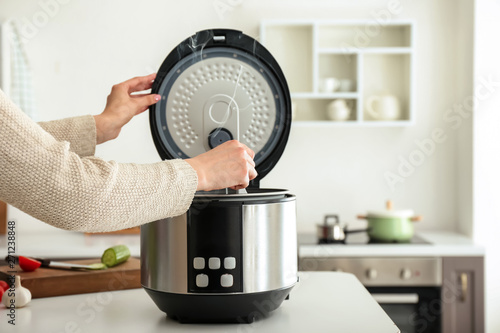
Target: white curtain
[[19, 75]]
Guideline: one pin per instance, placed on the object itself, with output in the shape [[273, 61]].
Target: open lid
[[219, 85]]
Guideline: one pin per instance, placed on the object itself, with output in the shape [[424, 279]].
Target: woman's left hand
[[122, 106]]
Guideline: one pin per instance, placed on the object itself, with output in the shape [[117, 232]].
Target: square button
[[226, 280], [230, 263], [199, 263], [201, 280], [214, 263]]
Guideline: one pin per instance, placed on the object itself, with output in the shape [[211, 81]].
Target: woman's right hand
[[229, 165]]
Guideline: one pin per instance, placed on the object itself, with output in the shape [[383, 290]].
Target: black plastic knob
[[218, 136]]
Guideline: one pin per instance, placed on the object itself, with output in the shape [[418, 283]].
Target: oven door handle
[[463, 282], [396, 298]]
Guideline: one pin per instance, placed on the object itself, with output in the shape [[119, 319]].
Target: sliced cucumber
[[97, 266], [115, 255]]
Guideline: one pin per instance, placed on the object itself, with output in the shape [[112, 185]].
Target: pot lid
[[390, 213], [406, 213], [219, 85]]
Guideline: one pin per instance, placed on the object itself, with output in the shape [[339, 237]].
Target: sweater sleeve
[[46, 179], [80, 132]]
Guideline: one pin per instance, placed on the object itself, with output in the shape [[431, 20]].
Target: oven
[[413, 309], [407, 288]]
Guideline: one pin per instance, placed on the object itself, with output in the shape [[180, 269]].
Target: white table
[[320, 302]]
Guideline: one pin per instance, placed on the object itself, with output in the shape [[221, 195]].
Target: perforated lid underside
[[220, 88]]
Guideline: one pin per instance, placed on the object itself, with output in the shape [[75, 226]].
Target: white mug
[[383, 107], [329, 85], [339, 110], [346, 85]]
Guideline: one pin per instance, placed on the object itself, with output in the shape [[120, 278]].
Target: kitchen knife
[[63, 265], [47, 263]]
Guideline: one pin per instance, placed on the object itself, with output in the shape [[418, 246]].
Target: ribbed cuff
[[189, 179], [89, 135]]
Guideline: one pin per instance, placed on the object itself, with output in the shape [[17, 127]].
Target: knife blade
[[47, 263]]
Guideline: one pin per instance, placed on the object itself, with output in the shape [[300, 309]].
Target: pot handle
[[413, 219], [416, 218], [329, 217]]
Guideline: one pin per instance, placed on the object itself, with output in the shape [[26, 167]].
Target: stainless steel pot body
[[268, 245]]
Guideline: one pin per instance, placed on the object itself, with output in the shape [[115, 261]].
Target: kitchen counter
[[440, 244], [320, 302]]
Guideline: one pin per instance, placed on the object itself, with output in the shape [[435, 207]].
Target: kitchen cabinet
[[462, 294], [369, 59]]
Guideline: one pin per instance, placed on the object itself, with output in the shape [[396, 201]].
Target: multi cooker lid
[[219, 85]]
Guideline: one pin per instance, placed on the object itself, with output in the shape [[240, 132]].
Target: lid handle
[[219, 38], [389, 205]]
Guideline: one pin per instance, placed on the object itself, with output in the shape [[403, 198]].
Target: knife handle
[[45, 262]]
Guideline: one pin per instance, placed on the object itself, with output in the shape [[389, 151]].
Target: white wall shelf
[[313, 95], [351, 123], [381, 50], [310, 51]]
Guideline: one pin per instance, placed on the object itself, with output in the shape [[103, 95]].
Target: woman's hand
[[228, 165], [122, 106]]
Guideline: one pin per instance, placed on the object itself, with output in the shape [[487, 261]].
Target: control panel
[[215, 250]]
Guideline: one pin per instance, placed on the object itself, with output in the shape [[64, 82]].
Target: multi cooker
[[232, 257]]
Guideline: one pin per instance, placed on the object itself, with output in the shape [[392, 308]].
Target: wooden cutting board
[[47, 282]]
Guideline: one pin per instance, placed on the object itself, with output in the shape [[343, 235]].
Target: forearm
[[89, 194], [80, 132]]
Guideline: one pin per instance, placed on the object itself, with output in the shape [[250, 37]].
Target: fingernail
[[157, 97]]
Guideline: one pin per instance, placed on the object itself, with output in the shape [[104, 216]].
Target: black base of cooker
[[231, 308]]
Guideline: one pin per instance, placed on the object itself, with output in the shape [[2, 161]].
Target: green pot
[[390, 225], [390, 229]]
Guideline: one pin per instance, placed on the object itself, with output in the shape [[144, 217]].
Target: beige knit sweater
[[48, 171]]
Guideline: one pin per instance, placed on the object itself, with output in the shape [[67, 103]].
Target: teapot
[[339, 110], [383, 107]]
